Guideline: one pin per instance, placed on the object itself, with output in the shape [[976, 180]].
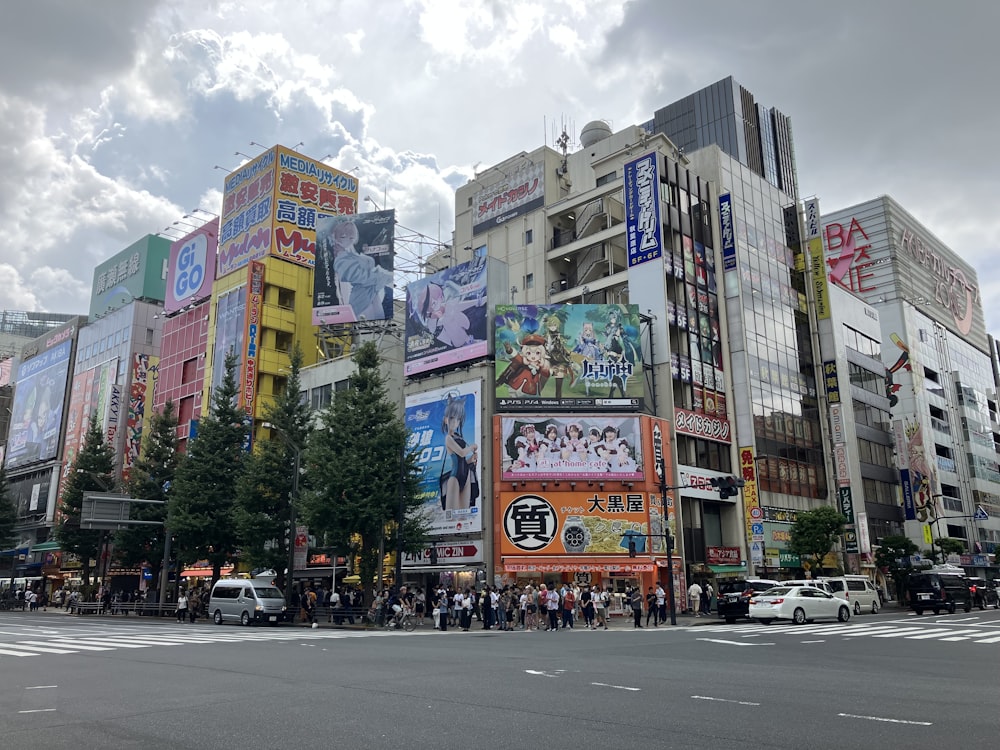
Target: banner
[[577, 447], [247, 209], [36, 416], [568, 358], [446, 318], [728, 232], [230, 325], [354, 268], [752, 512], [255, 302], [446, 433], [643, 224], [520, 193], [191, 267], [559, 523]]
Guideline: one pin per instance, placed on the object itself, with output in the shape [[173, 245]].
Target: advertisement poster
[[561, 523], [37, 411], [446, 318], [354, 268], [143, 378], [191, 267], [230, 317], [247, 208], [446, 432], [568, 357], [520, 193], [643, 225], [251, 336], [577, 447]]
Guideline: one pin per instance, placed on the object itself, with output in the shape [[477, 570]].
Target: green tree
[[264, 489], [893, 558], [91, 471], [360, 472], [815, 532], [944, 547], [149, 479], [203, 494], [8, 514]]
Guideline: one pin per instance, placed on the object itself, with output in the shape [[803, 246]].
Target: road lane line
[[40, 649], [812, 641], [68, 644], [899, 633], [733, 643], [994, 639], [36, 710], [41, 687], [966, 636], [616, 687], [931, 633], [723, 700], [8, 652], [891, 721]]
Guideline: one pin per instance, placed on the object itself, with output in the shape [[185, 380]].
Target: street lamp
[[292, 498]]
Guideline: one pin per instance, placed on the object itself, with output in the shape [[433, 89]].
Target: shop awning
[[440, 568], [728, 570], [576, 564], [16, 552], [205, 572], [46, 547]]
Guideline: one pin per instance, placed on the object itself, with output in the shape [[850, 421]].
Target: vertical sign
[[728, 234], [255, 297], [818, 262], [643, 226], [831, 381], [752, 512]]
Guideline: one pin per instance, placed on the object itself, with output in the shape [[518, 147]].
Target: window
[[342, 385], [319, 398], [528, 236], [149, 336], [189, 370], [286, 298], [606, 178], [283, 341], [529, 281]]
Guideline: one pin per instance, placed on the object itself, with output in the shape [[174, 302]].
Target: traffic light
[[728, 486]]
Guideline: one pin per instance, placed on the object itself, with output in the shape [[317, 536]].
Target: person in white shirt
[[694, 598], [661, 602], [552, 607]]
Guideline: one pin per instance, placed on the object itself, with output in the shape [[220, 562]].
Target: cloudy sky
[[115, 113]]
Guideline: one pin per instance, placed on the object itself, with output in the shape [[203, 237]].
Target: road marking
[[40, 649], [8, 652], [733, 643], [69, 644], [36, 710], [932, 633], [724, 700], [898, 633], [41, 687], [994, 639], [616, 687], [812, 641], [539, 673], [966, 636], [891, 721]]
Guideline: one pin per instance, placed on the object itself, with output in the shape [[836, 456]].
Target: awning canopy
[[440, 568], [205, 572], [728, 570], [15, 552], [46, 547], [576, 564]]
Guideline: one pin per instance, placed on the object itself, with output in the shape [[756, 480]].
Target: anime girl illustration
[[459, 484], [441, 310], [618, 350], [589, 349], [560, 362], [356, 279]]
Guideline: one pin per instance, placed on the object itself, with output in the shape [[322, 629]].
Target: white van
[[247, 601], [858, 590]]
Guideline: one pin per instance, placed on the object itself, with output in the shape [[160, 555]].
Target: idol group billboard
[[38, 406], [584, 523], [565, 448], [191, 267], [230, 322], [568, 357], [445, 431], [354, 268], [446, 318]]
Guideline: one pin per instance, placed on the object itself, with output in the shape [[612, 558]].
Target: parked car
[[858, 590], [940, 588], [247, 601], [816, 583], [799, 604], [733, 598], [984, 593]]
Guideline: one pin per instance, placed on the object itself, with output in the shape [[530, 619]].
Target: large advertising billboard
[[445, 431], [446, 318], [523, 191], [230, 321], [643, 225], [247, 209], [574, 523], [251, 335], [137, 272], [568, 357], [567, 448], [38, 406], [354, 268], [191, 267]]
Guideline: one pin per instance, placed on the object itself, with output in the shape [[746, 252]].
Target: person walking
[[551, 607], [635, 600], [182, 605], [661, 602], [694, 598], [651, 609], [603, 597]]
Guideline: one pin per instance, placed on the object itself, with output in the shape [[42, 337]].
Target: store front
[[454, 564]]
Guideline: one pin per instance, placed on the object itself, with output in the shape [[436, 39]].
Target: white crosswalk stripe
[[963, 631]]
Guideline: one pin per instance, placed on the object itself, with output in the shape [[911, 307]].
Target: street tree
[[8, 513], [893, 558], [91, 471], [203, 494], [815, 532], [944, 547], [264, 490], [361, 475], [150, 478]]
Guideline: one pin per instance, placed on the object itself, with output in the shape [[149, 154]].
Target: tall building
[[940, 372], [726, 115]]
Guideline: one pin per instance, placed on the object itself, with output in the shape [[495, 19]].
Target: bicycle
[[404, 620]]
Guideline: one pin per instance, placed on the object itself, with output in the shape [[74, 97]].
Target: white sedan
[[799, 604]]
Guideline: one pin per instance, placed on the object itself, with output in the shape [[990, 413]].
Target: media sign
[[728, 232], [513, 196], [191, 267], [643, 224]]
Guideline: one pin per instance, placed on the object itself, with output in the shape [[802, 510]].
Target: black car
[[939, 590], [984, 593], [733, 599]]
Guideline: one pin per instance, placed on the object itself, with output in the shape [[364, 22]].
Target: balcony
[[946, 464]]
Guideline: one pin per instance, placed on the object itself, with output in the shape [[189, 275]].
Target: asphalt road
[[892, 680]]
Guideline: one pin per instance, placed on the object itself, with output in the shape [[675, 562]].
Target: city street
[[892, 680]]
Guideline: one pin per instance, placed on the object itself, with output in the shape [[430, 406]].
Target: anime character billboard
[[354, 268], [37, 411], [446, 318], [577, 447], [568, 357], [445, 431]]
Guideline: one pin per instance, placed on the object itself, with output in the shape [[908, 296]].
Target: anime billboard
[[568, 357], [445, 431], [446, 318], [354, 268], [570, 448], [37, 411]]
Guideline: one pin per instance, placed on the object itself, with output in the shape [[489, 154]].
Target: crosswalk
[[970, 630], [95, 640]]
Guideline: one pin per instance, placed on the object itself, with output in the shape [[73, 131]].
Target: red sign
[[850, 261], [722, 555], [702, 426]]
